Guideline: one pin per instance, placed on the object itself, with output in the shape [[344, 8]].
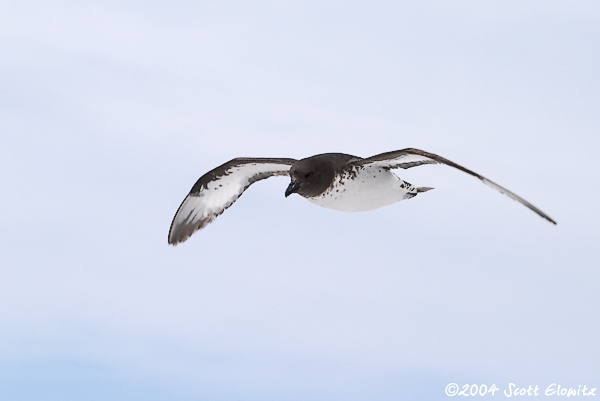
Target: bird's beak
[[293, 187]]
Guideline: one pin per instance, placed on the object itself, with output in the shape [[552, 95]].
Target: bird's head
[[310, 177]]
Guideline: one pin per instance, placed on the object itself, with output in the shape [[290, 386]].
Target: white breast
[[362, 189]]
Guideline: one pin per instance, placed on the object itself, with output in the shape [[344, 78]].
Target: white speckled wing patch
[[218, 189], [407, 158]]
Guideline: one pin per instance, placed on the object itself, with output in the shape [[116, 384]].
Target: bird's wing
[[216, 190], [407, 158]]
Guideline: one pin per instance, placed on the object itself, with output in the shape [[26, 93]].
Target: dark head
[[313, 175]]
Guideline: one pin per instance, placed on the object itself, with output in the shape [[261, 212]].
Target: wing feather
[[407, 158], [218, 189]]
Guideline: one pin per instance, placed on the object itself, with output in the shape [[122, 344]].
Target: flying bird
[[333, 180]]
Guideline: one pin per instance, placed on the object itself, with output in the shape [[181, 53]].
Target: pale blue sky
[[110, 111]]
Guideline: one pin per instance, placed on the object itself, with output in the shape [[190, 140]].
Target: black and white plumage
[[332, 180], [216, 190]]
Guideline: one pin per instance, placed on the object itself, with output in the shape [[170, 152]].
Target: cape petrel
[[332, 180]]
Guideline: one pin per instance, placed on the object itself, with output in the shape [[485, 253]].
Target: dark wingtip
[[171, 240], [181, 232], [180, 237]]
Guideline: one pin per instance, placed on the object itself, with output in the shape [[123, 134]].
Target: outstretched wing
[[216, 190], [407, 158]]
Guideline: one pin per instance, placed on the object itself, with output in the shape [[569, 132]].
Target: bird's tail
[[413, 191]]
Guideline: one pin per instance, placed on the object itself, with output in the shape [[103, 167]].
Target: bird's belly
[[362, 190]]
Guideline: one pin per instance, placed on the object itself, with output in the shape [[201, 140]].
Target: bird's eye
[[308, 174]]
